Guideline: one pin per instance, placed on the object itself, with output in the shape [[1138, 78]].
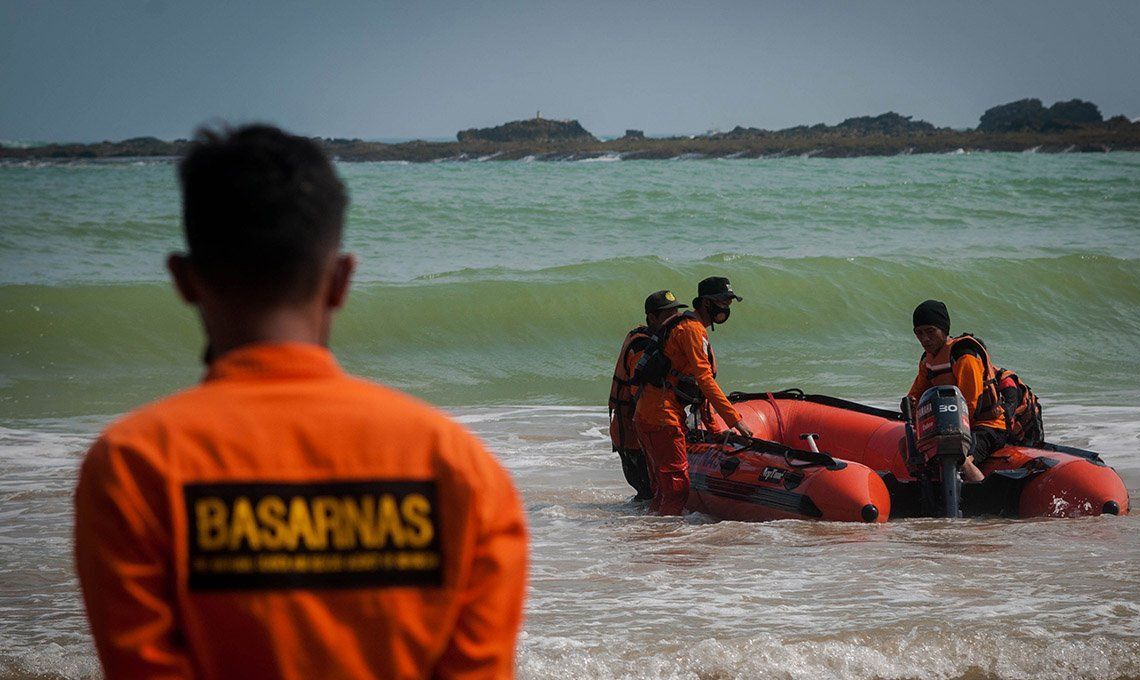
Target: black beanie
[[932, 313]]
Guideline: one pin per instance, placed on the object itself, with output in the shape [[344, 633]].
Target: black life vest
[[655, 368]]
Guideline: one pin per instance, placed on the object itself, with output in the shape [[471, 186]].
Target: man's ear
[[185, 281], [341, 277]]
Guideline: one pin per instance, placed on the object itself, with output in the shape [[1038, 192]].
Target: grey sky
[[87, 71]]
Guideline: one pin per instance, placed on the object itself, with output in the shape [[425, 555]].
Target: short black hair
[[262, 210]]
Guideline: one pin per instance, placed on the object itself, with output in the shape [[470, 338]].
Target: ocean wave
[[509, 335]]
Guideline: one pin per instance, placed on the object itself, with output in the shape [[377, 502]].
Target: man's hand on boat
[[741, 429]]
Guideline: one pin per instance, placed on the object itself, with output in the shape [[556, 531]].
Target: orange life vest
[[1022, 410], [623, 393], [939, 371]]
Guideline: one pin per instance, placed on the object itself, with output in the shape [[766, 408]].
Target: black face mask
[[717, 313]]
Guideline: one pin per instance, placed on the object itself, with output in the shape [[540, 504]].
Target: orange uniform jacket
[[690, 353], [283, 519], [968, 373], [621, 421]]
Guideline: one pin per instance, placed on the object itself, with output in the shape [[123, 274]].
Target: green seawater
[[502, 292], [513, 283]]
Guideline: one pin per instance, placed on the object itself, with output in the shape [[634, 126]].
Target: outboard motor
[[942, 428]]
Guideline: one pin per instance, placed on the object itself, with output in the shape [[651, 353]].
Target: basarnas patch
[[356, 534]]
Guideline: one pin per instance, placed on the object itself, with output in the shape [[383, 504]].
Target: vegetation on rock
[[533, 130], [1030, 115]]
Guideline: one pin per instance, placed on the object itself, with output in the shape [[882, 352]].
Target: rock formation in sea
[[1030, 115], [890, 124], [532, 130], [1073, 125]]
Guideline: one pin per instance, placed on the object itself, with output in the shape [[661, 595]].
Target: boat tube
[[754, 480], [868, 447]]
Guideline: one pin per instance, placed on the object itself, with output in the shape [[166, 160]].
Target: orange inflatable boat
[[756, 480], [875, 460]]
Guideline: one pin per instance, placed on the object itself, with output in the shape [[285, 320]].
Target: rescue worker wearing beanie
[[659, 308], [940, 364], [284, 519], [660, 416]]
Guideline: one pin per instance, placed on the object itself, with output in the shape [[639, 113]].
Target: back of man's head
[[263, 212]]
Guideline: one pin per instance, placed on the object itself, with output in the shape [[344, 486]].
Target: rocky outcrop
[[1073, 125], [1019, 116], [1072, 114], [1030, 115], [889, 123], [533, 130]]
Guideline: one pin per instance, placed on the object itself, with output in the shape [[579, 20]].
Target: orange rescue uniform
[[623, 393], [660, 416], [284, 519], [690, 354], [623, 397], [967, 372]]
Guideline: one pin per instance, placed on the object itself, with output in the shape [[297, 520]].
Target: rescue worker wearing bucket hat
[[679, 370]]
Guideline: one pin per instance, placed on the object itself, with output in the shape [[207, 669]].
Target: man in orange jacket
[[687, 376], [659, 308], [964, 362], [284, 519]]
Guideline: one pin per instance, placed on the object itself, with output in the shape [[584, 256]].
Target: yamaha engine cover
[[942, 425]]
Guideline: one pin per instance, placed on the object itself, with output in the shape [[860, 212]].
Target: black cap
[[662, 299], [717, 288], [932, 313]]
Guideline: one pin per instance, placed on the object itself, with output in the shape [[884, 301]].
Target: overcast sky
[[90, 70]]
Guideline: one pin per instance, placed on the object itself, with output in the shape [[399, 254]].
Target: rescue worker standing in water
[[689, 376], [659, 308], [964, 362], [283, 519]]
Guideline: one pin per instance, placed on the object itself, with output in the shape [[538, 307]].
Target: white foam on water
[[50, 661], [910, 654], [604, 158]]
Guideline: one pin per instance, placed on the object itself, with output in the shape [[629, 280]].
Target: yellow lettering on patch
[[275, 533], [416, 510], [357, 524], [388, 523], [325, 516], [243, 525], [296, 535], [301, 524], [210, 515]]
